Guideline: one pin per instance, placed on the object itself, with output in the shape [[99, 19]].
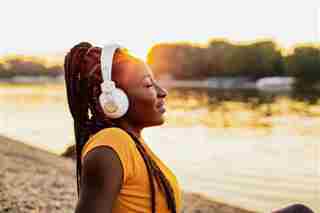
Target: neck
[[135, 130]]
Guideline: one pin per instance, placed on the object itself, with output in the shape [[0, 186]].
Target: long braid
[[83, 79], [77, 99]]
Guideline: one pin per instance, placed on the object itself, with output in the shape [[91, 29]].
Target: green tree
[[304, 64]]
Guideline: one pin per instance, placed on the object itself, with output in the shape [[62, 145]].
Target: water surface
[[247, 148]]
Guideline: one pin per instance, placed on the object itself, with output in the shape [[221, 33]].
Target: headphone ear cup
[[114, 104]]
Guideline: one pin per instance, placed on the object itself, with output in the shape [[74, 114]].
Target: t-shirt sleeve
[[120, 142]]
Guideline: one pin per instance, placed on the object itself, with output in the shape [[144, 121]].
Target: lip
[[160, 103], [161, 107]]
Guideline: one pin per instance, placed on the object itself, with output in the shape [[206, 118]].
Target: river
[[255, 150]]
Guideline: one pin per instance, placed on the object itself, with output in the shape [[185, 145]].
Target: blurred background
[[243, 111]]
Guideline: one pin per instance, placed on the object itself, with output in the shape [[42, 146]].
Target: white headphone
[[113, 100]]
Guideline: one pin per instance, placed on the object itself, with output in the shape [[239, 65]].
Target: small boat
[[275, 83]]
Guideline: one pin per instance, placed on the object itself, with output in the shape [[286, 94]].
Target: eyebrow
[[146, 75]]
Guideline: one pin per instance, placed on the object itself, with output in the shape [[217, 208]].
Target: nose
[[161, 92]]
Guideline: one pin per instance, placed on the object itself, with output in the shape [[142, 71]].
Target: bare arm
[[102, 174]]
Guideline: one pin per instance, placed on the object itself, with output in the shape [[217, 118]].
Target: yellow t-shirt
[[135, 195]]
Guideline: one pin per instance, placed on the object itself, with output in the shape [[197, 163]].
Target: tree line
[[221, 58], [28, 66], [188, 61]]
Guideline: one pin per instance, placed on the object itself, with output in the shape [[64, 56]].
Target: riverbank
[[33, 180]]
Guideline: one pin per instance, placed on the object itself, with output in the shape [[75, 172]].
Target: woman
[[116, 170]]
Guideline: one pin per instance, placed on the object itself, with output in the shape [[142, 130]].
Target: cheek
[[145, 97], [147, 100], [143, 105]]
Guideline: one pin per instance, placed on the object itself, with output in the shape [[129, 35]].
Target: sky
[[43, 26]]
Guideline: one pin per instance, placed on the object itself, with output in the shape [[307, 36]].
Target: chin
[[157, 122], [161, 121]]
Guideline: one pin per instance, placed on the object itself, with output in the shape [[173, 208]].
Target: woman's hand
[[101, 179]]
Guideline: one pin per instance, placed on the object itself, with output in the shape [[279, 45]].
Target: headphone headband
[[106, 59]]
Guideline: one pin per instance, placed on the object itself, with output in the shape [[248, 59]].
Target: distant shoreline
[[33, 79], [267, 84], [36, 180]]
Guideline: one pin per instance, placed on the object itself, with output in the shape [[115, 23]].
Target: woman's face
[[146, 97]]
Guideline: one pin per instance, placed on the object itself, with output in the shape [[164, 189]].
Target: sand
[[36, 181]]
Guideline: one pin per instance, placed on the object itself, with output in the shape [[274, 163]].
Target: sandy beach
[[36, 181]]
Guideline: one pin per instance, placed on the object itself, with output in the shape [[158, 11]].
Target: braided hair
[[83, 78]]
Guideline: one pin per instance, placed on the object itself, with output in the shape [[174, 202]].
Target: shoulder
[[97, 164], [117, 140], [109, 137], [112, 133]]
